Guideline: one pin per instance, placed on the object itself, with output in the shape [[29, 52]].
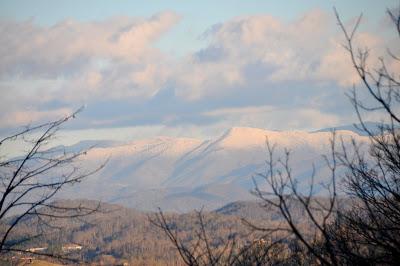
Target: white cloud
[[117, 60], [111, 59], [27, 48], [308, 49]]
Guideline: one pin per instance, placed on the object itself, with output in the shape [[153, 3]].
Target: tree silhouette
[[356, 223], [367, 230], [31, 181]]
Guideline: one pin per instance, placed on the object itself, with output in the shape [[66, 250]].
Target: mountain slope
[[181, 174]]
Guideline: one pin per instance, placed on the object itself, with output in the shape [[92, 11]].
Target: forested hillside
[[117, 234]]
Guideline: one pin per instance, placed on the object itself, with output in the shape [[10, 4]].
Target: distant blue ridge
[[373, 127]]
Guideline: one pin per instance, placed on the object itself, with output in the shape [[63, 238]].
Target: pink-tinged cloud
[[308, 49], [27, 48], [117, 61], [111, 59]]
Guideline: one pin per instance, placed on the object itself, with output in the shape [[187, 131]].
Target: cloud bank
[[254, 71]]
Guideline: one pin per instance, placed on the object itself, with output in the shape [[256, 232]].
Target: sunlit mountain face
[[182, 174], [159, 85]]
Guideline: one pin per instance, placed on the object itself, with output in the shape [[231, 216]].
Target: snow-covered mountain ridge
[[183, 173]]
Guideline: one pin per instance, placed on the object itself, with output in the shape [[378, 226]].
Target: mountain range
[[181, 174]]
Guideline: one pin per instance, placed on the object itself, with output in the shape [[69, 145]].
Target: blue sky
[[181, 68], [197, 15]]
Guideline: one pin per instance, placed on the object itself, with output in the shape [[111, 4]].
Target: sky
[[182, 68]]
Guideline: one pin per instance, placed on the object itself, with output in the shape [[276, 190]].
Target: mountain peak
[[242, 137], [238, 137]]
